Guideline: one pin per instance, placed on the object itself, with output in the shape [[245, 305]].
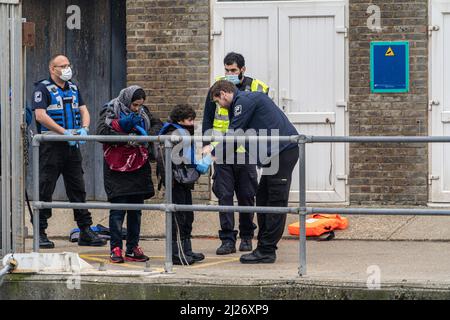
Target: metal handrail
[[168, 207]]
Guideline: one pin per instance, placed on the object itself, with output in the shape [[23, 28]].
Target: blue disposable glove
[[137, 123], [126, 123], [141, 130], [82, 132], [71, 143], [202, 165]]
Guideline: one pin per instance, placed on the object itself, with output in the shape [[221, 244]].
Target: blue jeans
[[116, 218]]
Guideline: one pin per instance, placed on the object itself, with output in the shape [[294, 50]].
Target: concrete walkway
[[381, 257], [338, 269], [421, 263]]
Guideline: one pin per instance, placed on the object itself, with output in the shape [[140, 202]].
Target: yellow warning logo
[[389, 52]]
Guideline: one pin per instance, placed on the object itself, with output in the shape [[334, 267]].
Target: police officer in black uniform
[[232, 177], [59, 109], [254, 110]]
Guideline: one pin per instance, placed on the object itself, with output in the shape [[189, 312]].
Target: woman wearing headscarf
[[126, 167]]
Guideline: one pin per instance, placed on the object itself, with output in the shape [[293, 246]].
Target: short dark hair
[[182, 112], [221, 85], [234, 57], [53, 57], [138, 95]]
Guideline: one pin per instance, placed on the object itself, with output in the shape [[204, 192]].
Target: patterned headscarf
[[122, 104]]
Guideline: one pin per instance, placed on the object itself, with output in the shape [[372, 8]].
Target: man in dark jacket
[[256, 111], [233, 177]]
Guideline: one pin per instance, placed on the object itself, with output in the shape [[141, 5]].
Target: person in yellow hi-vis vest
[[229, 178]]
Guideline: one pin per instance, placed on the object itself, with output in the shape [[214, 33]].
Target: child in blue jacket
[[181, 122]]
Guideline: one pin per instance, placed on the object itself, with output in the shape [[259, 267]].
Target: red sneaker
[[137, 255], [116, 255]]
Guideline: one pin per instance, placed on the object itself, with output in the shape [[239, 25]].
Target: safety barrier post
[[302, 205], [36, 144], [168, 195]]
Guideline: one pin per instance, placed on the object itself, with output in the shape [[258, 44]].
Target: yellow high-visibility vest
[[221, 119]]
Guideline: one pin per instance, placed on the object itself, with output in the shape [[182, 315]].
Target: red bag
[[125, 158]]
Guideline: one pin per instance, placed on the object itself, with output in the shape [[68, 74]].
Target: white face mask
[[66, 74]]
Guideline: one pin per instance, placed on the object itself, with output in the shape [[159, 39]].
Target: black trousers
[[116, 218], [182, 220], [242, 179], [273, 191], [58, 158]]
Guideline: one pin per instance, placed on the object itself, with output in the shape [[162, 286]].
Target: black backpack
[[185, 174]]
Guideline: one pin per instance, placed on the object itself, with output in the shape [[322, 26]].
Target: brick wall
[[168, 55], [387, 173]]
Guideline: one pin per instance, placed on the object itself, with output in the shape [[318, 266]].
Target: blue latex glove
[[137, 120], [202, 165], [71, 143], [127, 123], [141, 130], [82, 132]]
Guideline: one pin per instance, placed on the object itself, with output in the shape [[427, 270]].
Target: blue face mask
[[233, 78]]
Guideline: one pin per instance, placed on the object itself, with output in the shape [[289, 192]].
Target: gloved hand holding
[[137, 119], [207, 149], [140, 130], [202, 166], [126, 123], [82, 132], [70, 133]]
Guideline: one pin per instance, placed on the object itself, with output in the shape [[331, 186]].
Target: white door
[[312, 91], [298, 49], [251, 30], [440, 101]]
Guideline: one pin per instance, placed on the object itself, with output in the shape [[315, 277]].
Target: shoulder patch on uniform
[[237, 110], [38, 96]]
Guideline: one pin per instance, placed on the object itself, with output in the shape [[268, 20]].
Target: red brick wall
[[388, 173], [168, 55]]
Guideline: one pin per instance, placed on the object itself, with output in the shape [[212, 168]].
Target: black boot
[[187, 246], [258, 257], [180, 258], [90, 238], [227, 247], [44, 243], [246, 245]]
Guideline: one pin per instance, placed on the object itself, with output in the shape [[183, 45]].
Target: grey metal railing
[[169, 208]]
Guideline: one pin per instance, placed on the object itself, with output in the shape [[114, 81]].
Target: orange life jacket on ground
[[319, 224]]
